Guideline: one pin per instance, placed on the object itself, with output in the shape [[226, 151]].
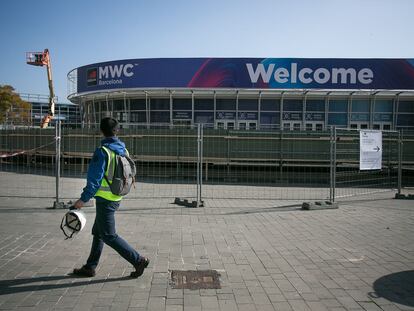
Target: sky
[[81, 32]]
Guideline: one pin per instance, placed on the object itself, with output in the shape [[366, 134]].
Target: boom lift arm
[[43, 59]]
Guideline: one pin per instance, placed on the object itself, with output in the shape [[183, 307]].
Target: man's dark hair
[[109, 126]]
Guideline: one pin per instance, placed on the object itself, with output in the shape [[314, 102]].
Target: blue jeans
[[103, 231]]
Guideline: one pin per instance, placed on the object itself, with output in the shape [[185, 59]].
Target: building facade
[[248, 93], [67, 112]]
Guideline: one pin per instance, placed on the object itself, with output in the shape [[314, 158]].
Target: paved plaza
[[270, 256]]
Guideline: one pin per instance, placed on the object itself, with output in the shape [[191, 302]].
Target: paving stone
[[246, 307], [282, 306], [119, 307], [192, 301], [370, 306], [136, 303], [156, 303], [225, 296]]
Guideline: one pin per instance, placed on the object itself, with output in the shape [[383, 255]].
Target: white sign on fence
[[370, 150]]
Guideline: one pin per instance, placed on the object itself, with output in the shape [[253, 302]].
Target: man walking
[[107, 203]]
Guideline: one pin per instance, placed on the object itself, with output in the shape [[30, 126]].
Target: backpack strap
[[133, 177], [110, 167]]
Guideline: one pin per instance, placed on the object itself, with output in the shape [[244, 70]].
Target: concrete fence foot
[[319, 205]]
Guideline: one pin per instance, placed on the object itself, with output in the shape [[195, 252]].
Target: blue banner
[[250, 73]]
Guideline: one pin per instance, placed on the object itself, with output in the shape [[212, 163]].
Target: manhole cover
[[193, 279]]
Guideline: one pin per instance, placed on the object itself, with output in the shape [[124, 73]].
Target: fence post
[[400, 153], [58, 135], [332, 164], [198, 162], [199, 178], [200, 202]]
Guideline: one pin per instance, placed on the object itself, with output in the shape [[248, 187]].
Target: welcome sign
[[249, 73]]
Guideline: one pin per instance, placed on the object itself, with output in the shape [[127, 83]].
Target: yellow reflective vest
[[104, 190]]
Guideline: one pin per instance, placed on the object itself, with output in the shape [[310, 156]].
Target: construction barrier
[[194, 163]]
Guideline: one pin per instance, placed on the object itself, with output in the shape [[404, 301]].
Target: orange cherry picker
[[43, 59]]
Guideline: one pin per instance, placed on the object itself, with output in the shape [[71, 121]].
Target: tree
[[12, 108]]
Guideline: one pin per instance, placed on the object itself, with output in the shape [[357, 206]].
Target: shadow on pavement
[[397, 287], [281, 208], [14, 286]]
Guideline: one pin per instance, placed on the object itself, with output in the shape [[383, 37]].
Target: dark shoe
[[140, 267], [84, 271]]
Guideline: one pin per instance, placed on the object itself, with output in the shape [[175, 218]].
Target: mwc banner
[[249, 73]]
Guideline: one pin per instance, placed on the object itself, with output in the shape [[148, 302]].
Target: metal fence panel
[[265, 164], [166, 159], [350, 181], [27, 162]]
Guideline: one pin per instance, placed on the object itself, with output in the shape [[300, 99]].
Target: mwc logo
[[91, 75], [109, 74]]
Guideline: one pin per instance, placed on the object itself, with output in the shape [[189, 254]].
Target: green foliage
[[12, 108]]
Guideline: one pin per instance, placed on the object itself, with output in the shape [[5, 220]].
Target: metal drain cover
[[195, 279]]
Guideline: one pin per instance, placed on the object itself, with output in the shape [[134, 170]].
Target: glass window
[[383, 105], [292, 105], [384, 117], [204, 117], [315, 116], [296, 126], [137, 104], [270, 105], [247, 115], [360, 117], [406, 106], [405, 120], [315, 105], [120, 116], [248, 104], [160, 116], [119, 105], [338, 119], [226, 115], [203, 104], [360, 105], [137, 117], [225, 104], [104, 106], [338, 105], [182, 103], [160, 103], [182, 115], [269, 118]]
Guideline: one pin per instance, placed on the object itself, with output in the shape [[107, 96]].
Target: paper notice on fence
[[370, 150]]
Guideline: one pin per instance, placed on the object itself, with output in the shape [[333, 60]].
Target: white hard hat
[[73, 222]]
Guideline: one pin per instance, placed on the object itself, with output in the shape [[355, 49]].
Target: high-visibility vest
[[104, 190]]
